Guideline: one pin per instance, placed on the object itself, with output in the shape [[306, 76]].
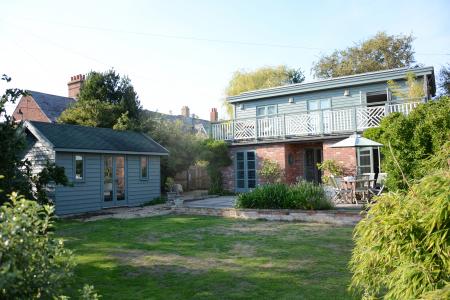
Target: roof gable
[[66, 137], [51, 105]]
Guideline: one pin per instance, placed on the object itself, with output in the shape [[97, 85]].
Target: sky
[[185, 52]]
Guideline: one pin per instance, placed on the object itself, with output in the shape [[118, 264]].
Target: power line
[[201, 39]]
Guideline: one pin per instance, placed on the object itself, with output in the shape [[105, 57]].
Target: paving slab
[[217, 202]]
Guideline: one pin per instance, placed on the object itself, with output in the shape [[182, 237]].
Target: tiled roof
[[93, 139], [51, 105]]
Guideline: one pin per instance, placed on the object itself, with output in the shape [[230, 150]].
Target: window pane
[[240, 156], [261, 111], [313, 105], [251, 183], [251, 155], [144, 167], [325, 104], [251, 174], [78, 167], [120, 178], [240, 175], [251, 165], [271, 110], [107, 179], [240, 184], [240, 165]]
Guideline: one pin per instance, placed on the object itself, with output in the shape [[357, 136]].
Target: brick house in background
[[295, 125], [45, 107]]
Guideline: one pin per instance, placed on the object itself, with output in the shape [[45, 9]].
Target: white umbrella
[[356, 140]]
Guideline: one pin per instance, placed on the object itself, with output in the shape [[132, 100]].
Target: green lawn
[[191, 257]]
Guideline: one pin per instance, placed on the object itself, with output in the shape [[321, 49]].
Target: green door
[[114, 181], [245, 170]]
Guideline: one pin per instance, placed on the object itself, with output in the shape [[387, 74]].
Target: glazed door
[[114, 188], [313, 156], [245, 170]]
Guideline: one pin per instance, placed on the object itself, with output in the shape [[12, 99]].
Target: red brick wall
[[30, 111], [280, 153], [346, 157]]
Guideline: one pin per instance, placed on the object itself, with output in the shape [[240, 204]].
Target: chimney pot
[[213, 115], [185, 111], [75, 84]]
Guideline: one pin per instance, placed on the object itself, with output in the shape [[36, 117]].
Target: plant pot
[[178, 201]]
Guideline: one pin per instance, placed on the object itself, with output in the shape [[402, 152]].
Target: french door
[[114, 187], [245, 170], [313, 156]]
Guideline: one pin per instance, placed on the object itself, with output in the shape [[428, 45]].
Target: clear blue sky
[[170, 51]]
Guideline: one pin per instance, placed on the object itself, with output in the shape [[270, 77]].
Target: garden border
[[335, 217]]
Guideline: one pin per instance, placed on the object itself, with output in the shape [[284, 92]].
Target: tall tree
[[444, 79], [265, 77], [381, 52], [104, 99]]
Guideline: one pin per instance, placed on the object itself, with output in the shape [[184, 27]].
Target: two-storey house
[[295, 125]]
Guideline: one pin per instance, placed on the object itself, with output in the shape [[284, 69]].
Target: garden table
[[358, 186]]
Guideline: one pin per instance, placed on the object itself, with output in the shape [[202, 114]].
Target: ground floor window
[[245, 170], [368, 160]]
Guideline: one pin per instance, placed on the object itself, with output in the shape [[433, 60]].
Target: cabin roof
[[75, 138]]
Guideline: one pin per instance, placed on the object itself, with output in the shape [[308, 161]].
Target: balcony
[[313, 123]]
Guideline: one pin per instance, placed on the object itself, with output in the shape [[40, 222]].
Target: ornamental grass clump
[[303, 195], [402, 246]]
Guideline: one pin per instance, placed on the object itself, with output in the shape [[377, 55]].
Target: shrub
[[402, 246], [331, 167], [270, 171], [215, 153], [303, 195], [33, 263], [409, 140], [155, 201]]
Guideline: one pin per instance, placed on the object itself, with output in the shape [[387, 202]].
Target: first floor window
[[79, 167], [144, 167], [264, 111]]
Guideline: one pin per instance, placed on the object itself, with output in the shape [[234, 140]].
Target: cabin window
[[79, 167], [267, 110], [144, 167]]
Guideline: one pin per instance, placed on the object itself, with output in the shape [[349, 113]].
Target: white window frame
[[266, 110], [83, 167], [140, 168]]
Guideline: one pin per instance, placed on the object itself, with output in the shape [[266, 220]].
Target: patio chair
[[340, 193], [362, 186], [379, 185]]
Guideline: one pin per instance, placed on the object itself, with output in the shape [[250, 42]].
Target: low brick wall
[[336, 217]]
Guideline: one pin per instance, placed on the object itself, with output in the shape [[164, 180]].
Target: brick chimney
[[185, 111], [75, 84], [213, 115]]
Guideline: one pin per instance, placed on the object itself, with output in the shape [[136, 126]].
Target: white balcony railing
[[307, 124]]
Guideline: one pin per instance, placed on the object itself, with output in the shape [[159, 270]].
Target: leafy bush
[[33, 264], [303, 195], [402, 245], [410, 140], [215, 153], [331, 167], [270, 171], [155, 201]]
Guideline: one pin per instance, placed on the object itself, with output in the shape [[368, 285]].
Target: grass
[[192, 257]]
